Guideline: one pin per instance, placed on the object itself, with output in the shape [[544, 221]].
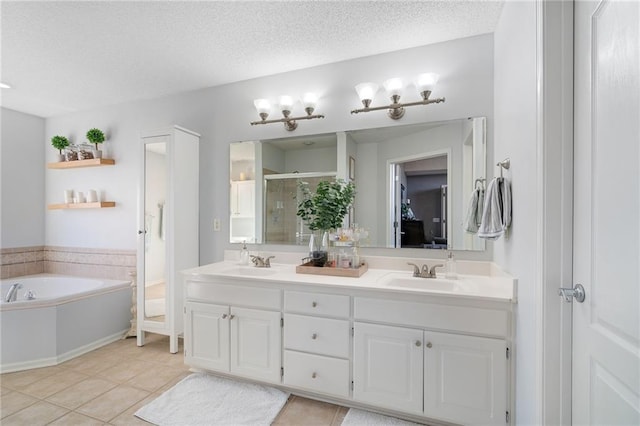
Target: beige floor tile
[[302, 411], [19, 380], [112, 403], [76, 419], [153, 380], [4, 391], [53, 384], [91, 363], [126, 370], [40, 413], [81, 392], [13, 402]]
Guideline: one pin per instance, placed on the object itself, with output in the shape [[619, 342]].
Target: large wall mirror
[[413, 183]]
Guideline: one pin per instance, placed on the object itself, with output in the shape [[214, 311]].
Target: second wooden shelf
[[97, 205]]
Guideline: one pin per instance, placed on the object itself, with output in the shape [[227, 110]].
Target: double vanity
[[428, 349]]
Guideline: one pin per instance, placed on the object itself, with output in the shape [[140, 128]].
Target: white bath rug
[[202, 399], [357, 417]]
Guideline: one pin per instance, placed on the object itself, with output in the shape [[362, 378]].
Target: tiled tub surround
[[85, 262]]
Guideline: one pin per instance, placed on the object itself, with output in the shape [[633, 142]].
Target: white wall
[[465, 66], [515, 137], [22, 163]]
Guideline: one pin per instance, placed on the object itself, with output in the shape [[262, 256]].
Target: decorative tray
[[308, 268]]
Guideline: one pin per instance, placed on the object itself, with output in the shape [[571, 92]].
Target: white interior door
[[606, 326]]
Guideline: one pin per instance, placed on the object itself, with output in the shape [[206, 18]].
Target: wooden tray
[[307, 268]]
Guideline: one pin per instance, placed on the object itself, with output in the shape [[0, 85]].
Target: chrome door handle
[[314, 336], [224, 316], [232, 317], [568, 294]]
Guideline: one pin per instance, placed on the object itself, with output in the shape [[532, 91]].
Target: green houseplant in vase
[[322, 211], [60, 143], [96, 136]]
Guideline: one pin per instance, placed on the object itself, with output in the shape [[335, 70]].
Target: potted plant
[[60, 143], [324, 210], [96, 136]]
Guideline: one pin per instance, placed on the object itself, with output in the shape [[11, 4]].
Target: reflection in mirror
[[412, 182], [154, 245]]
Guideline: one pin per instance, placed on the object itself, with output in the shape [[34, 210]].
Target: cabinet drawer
[[316, 303], [318, 335], [491, 322], [238, 295], [317, 373]]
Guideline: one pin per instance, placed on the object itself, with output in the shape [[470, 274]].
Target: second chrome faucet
[[425, 272]]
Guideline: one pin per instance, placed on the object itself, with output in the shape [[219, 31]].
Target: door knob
[[418, 343], [232, 317], [568, 294], [429, 345], [314, 336], [224, 316]]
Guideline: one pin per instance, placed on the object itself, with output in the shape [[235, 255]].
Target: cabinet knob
[[314, 375], [224, 316], [418, 343], [314, 304], [314, 336], [429, 345], [141, 232], [232, 316]]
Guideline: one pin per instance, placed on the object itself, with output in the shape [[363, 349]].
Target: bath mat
[[357, 417], [202, 399]]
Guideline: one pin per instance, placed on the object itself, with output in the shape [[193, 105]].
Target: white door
[[388, 366], [606, 326], [465, 378], [206, 340], [256, 346]]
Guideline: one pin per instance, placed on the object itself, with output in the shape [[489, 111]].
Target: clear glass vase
[[319, 247]]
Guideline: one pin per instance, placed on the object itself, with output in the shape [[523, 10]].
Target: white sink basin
[[406, 280], [250, 271]]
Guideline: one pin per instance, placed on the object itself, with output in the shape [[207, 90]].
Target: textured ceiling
[[68, 56]]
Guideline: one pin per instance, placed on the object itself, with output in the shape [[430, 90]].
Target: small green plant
[[59, 143], [326, 208], [95, 136]]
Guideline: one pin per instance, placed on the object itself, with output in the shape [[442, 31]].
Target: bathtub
[[68, 317]]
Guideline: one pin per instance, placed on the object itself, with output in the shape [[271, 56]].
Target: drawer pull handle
[[314, 304], [224, 316], [314, 336], [418, 343], [232, 316], [429, 345], [314, 375]]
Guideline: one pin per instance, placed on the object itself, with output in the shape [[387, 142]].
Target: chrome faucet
[[12, 294], [425, 272], [261, 262]]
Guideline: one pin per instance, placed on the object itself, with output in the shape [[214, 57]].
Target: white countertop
[[494, 286]]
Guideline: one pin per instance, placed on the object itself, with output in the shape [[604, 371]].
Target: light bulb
[[310, 100], [426, 81], [393, 86], [366, 92], [286, 103], [262, 106]]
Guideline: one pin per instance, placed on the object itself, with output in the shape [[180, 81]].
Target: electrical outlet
[[216, 224]]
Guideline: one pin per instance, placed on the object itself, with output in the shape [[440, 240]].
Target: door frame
[[554, 58]]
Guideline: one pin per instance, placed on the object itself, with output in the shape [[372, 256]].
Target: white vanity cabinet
[[428, 357], [448, 376], [229, 338], [317, 337]]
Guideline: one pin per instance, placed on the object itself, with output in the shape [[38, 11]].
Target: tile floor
[[108, 385]]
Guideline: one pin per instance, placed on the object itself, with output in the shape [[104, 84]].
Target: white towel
[[496, 217], [474, 211]]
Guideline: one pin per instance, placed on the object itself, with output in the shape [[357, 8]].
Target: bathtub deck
[[108, 385]]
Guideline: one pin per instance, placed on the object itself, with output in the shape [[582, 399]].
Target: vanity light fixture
[[263, 106], [394, 87]]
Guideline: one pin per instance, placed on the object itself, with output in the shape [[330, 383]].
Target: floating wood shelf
[[93, 162], [97, 205]]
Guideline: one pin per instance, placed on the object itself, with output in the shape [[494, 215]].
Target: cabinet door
[[465, 379], [256, 344], [206, 339], [388, 366]]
